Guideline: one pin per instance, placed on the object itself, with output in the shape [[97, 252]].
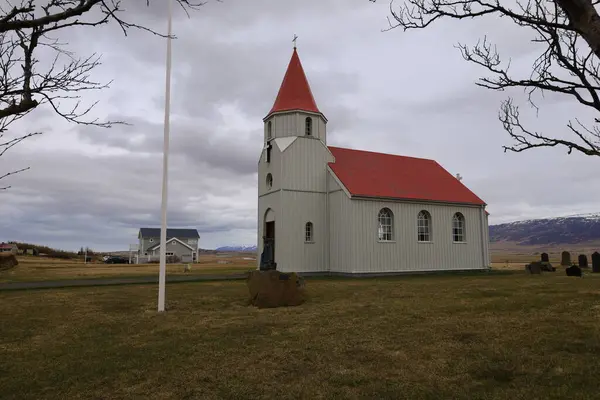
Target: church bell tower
[[292, 177]]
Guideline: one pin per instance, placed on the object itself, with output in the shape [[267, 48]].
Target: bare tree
[[568, 33], [25, 83]]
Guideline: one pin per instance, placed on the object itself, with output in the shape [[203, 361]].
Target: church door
[[270, 235]]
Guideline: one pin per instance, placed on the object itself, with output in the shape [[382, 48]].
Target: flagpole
[[163, 228]]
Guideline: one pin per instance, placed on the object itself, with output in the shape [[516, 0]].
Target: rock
[[573, 270], [546, 266], [269, 289], [534, 268], [8, 261]]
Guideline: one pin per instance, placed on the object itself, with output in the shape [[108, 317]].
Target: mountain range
[[572, 229], [237, 249]]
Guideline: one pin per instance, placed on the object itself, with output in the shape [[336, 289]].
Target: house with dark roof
[[330, 209], [181, 244]]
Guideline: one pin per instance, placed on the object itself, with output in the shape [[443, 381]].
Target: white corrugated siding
[[296, 255], [304, 165], [293, 124], [359, 219], [341, 226]]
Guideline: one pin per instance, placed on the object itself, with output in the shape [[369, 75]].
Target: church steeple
[[294, 93]]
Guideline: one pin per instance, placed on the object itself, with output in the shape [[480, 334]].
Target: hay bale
[[269, 289], [8, 261]]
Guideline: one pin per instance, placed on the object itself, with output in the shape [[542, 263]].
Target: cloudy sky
[[408, 93]]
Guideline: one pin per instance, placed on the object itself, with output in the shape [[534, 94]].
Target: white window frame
[[458, 228], [309, 232], [385, 225], [269, 181], [424, 227], [151, 240]]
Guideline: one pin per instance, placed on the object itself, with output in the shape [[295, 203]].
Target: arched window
[[424, 226], [269, 181], [308, 126], [458, 228], [269, 130], [385, 219], [308, 232]]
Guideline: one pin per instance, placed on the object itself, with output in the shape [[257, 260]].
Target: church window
[[385, 221], [458, 228], [269, 130], [308, 232], [269, 181], [424, 226], [269, 147], [308, 126]]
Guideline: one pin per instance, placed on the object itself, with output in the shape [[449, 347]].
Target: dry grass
[[39, 269], [507, 336], [502, 252]]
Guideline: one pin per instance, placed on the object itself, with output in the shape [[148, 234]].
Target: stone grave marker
[[596, 262], [583, 261], [565, 259], [545, 257]]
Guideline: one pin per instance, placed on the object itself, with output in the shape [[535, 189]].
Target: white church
[[336, 210]]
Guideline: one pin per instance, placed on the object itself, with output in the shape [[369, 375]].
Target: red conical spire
[[295, 93]]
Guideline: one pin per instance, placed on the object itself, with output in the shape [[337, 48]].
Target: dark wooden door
[[270, 235]]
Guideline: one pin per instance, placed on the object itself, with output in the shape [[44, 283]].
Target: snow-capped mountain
[[571, 229], [239, 249]]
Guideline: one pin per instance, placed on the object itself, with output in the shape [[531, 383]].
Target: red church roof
[[370, 174], [295, 93]]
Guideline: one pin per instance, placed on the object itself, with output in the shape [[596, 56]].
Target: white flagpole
[[163, 228]]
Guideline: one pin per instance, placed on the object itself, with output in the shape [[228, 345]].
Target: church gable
[[387, 176]]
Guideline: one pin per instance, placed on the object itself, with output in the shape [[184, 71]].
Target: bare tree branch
[[26, 83], [567, 32]]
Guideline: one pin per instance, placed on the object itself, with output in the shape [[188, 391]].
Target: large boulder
[[269, 289], [8, 261]]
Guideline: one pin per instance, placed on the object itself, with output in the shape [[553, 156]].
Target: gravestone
[[583, 261], [565, 259], [596, 262], [534, 268], [574, 270], [545, 257]]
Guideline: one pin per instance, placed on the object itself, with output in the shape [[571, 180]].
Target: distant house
[[9, 248], [181, 244]]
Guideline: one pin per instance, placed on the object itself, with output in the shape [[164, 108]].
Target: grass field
[[505, 256], [41, 269], [481, 336]]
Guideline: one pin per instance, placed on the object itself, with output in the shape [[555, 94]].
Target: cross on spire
[[295, 38]]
